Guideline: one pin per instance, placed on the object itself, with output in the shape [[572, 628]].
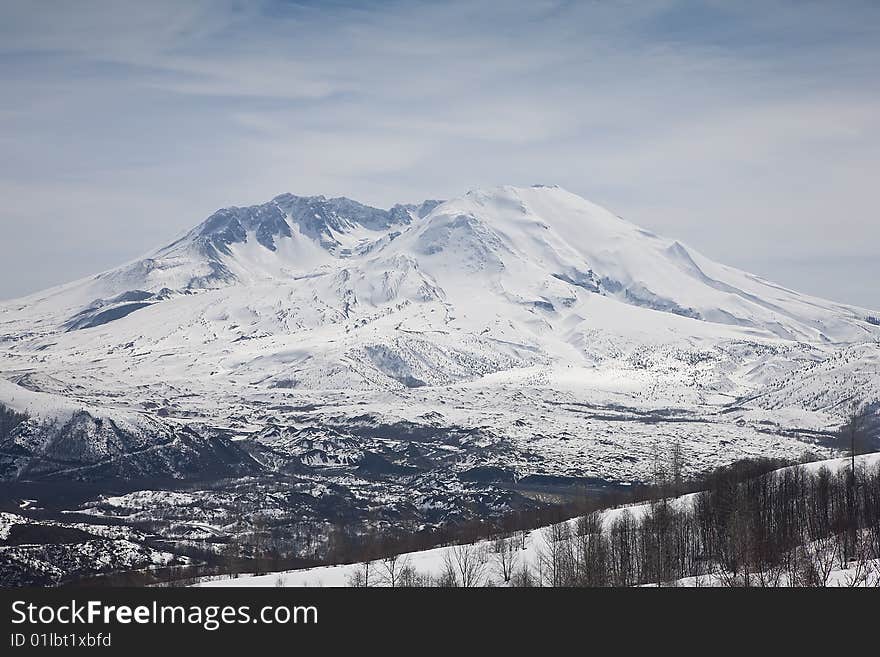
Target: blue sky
[[750, 130]]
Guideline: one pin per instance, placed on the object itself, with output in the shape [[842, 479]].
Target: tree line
[[791, 527]]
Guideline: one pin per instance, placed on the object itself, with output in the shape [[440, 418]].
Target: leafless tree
[[505, 556], [363, 576], [854, 430], [522, 537], [660, 471], [231, 559], [523, 577], [853, 433], [449, 576], [556, 557], [676, 467], [864, 571], [621, 542], [821, 554], [258, 541], [468, 562], [390, 569], [771, 575], [591, 552], [408, 577]]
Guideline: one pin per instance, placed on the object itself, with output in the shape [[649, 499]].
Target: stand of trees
[[793, 527], [9, 419]]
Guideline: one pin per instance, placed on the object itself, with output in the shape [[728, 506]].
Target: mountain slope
[[520, 238]]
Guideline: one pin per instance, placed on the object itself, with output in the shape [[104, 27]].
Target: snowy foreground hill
[[533, 553], [318, 360]]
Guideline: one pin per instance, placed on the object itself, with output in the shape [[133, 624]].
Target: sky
[[748, 130]]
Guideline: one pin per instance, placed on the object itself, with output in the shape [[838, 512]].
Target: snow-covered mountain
[[536, 249], [531, 314]]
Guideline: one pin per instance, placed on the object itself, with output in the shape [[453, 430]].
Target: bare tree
[[853, 433], [230, 558], [410, 578], [258, 541], [591, 551], [622, 533], [676, 467], [660, 471], [468, 562], [505, 556], [821, 555], [391, 568], [556, 558], [449, 576], [865, 572], [363, 576], [523, 577]]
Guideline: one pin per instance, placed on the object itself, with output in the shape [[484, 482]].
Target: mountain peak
[[231, 225], [317, 218]]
